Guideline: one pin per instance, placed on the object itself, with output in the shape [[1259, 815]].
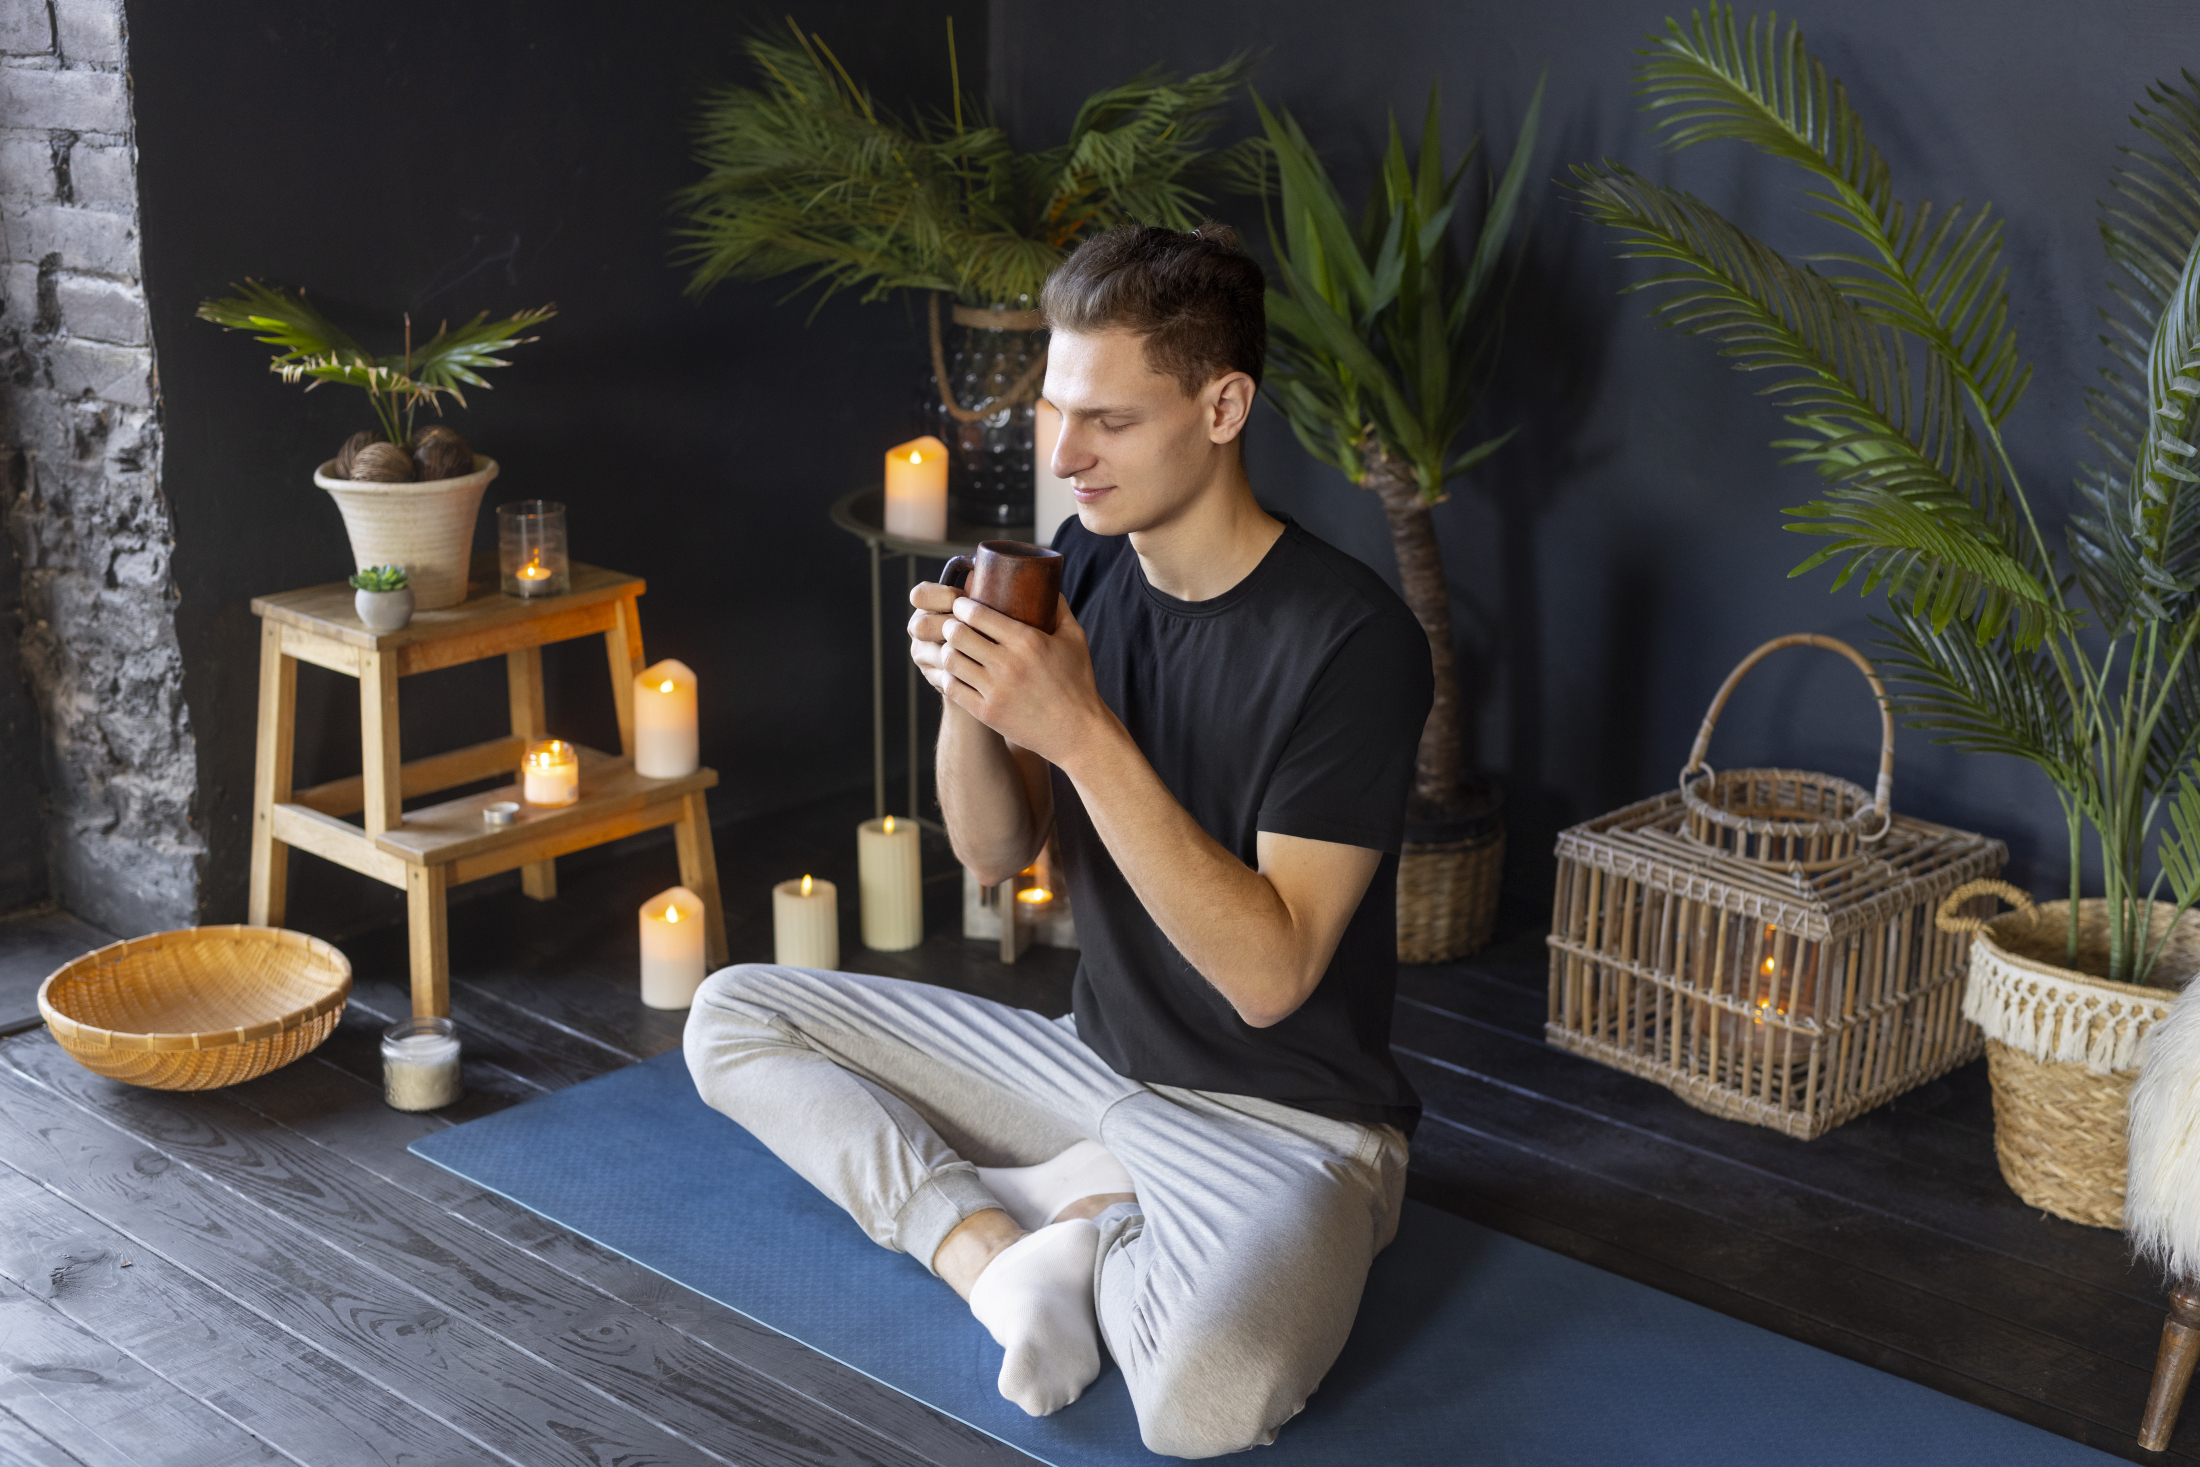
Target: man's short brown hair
[[1196, 297]]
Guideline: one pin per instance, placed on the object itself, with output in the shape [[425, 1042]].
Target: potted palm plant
[[804, 174], [1379, 346], [1899, 370], [409, 493]]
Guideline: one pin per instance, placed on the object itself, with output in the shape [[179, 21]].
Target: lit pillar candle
[[1052, 499], [672, 948], [890, 868], [551, 773], [664, 721], [806, 924], [916, 489]]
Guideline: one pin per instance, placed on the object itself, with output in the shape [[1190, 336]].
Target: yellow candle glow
[[534, 570], [551, 773], [664, 721], [806, 924], [890, 869], [672, 948], [916, 489], [1052, 499]]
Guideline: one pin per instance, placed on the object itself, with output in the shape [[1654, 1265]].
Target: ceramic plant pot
[[384, 611], [428, 528]]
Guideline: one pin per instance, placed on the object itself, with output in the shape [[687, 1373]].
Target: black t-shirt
[[1292, 703]]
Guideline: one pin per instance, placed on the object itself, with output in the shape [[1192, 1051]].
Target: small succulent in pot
[[382, 595]]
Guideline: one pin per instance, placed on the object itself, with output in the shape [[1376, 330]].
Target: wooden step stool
[[430, 850]]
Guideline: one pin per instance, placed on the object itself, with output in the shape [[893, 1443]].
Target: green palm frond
[[316, 350], [806, 176], [1895, 510], [1993, 698], [1379, 343]]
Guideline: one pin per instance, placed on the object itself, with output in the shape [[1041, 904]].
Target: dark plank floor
[[32, 945], [265, 1274]]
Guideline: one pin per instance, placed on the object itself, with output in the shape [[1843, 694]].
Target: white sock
[[1035, 1298], [1035, 1195]]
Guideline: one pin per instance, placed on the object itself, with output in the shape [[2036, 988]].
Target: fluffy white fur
[[2162, 1197]]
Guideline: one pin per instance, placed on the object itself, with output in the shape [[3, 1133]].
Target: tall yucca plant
[[804, 174], [1898, 369], [1379, 345]]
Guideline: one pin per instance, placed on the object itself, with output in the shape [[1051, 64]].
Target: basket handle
[[1883, 795], [1945, 918]]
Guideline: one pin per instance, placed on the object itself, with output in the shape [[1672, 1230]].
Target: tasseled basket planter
[[2062, 1046]]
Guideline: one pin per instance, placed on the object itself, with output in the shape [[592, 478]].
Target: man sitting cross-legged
[[1199, 1163]]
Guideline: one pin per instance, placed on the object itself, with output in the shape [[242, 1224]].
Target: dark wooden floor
[[265, 1274]]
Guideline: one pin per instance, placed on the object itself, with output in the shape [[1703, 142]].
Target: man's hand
[[1034, 690]]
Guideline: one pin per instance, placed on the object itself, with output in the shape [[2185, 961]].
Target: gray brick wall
[[80, 495]]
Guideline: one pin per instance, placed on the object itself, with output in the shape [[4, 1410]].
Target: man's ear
[[1229, 401]]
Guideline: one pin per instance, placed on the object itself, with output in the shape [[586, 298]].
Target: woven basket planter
[[1761, 942], [197, 1008], [2062, 1046], [1447, 896], [427, 527]]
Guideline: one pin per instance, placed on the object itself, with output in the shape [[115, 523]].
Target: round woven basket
[[1788, 818], [1447, 896], [199, 1007], [427, 527], [2062, 1046]]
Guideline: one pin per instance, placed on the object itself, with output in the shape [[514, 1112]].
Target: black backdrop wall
[[1615, 562], [444, 160], [1608, 567]]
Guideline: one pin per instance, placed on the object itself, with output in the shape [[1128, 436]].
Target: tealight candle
[[916, 489], [420, 1064], [531, 548], [1053, 500], [672, 948], [551, 773], [664, 721], [890, 872], [806, 924]]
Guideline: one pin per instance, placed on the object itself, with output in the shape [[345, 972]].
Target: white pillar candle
[[1052, 499], [664, 722], [916, 489], [890, 871], [551, 773], [806, 924], [672, 948]]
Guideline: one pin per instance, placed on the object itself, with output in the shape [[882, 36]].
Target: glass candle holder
[[420, 1064], [550, 774], [531, 548]]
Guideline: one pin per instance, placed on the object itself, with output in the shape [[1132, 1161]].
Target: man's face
[[1135, 446]]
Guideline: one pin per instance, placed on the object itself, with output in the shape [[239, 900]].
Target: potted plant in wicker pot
[[409, 493], [803, 174], [1379, 345], [1899, 371]]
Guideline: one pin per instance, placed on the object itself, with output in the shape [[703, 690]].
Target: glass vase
[[994, 359]]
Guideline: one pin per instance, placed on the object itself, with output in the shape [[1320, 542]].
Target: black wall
[[23, 880], [447, 159], [1612, 565]]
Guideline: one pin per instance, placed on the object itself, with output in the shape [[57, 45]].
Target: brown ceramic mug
[[1015, 579]]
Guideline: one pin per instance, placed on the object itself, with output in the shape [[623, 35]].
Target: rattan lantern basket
[[197, 1008], [2062, 1045], [1761, 942]]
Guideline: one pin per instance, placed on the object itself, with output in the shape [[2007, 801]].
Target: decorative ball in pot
[[409, 491]]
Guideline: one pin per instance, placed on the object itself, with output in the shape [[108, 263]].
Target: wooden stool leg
[[271, 777], [699, 874], [623, 649], [427, 917], [523, 686], [381, 759], [2173, 1366]]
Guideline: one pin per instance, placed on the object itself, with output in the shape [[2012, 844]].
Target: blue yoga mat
[[1470, 1346]]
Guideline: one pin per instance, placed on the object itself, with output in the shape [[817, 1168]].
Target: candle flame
[[1035, 895], [665, 686], [889, 825], [672, 913], [806, 884], [916, 456]]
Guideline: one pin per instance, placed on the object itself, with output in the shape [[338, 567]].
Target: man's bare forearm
[[993, 820]]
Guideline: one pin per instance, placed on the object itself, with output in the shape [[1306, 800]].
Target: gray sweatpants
[[1224, 1293]]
